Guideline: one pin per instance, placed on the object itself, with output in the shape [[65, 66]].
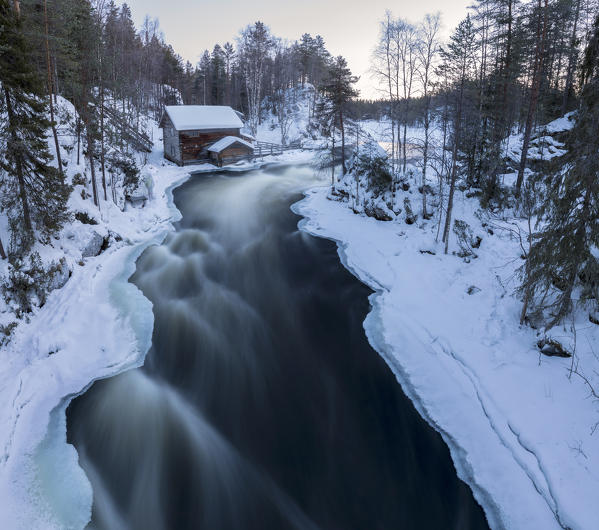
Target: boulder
[[410, 217], [473, 289], [379, 213], [552, 348], [94, 245], [58, 275]]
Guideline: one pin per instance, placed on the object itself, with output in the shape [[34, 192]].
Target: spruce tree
[[34, 193], [564, 258]]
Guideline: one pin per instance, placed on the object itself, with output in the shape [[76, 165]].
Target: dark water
[[261, 404]]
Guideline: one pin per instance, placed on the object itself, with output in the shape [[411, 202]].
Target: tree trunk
[[450, 199], [399, 151], [508, 66], [571, 62], [78, 140], [425, 155], [534, 97], [102, 147], [2, 252], [454, 165], [445, 119], [51, 90], [333, 162], [90, 156], [405, 134], [343, 168]]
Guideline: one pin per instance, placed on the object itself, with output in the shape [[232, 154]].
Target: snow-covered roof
[[227, 141], [199, 117]]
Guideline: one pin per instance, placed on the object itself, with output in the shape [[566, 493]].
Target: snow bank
[[96, 326], [519, 431]]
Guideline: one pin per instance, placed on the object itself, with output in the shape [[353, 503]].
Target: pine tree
[[34, 192], [217, 66], [459, 60], [205, 78], [306, 52], [229, 56], [338, 91], [565, 255]]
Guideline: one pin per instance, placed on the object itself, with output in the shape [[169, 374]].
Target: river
[[261, 404]]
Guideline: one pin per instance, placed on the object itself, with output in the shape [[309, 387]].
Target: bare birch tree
[[427, 53], [384, 68], [406, 44]]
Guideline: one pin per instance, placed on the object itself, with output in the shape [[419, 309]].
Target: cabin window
[[193, 133]]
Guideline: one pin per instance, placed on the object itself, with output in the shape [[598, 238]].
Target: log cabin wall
[[236, 150], [232, 154], [194, 143], [170, 140]]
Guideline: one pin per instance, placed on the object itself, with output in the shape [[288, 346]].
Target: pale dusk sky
[[349, 27]]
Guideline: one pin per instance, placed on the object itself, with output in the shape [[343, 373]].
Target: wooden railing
[[260, 149], [137, 139], [267, 148]]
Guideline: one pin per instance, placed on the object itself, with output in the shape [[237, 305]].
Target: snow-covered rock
[[93, 247]]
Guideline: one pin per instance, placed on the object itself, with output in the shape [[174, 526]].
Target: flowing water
[[261, 404]]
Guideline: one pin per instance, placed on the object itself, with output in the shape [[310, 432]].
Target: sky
[[349, 27]]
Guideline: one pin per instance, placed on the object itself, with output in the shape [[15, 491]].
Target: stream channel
[[261, 404]]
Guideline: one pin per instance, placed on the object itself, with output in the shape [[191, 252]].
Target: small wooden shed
[[189, 130], [230, 149]]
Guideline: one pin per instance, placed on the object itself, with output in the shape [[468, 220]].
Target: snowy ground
[[97, 325], [521, 432]]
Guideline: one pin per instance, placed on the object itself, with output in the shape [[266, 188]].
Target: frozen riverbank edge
[[454, 354], [97, 326]]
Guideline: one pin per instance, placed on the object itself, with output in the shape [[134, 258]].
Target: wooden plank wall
[[192, 146]]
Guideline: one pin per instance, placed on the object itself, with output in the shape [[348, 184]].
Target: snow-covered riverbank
[[520, 432], [94, 327]]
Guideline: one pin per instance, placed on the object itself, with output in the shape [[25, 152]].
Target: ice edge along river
[[43, 485]]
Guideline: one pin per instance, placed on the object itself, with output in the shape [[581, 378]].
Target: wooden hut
[[230, 149], [189, 130]]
